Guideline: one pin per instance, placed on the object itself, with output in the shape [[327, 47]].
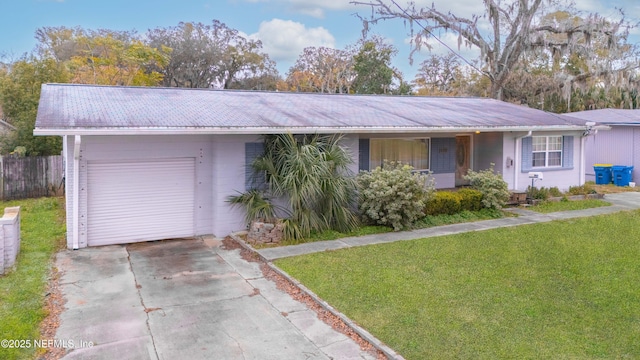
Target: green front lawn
[[22, 291], [564, 289]]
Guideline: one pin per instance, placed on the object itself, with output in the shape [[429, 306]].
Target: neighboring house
[[156, 163], [618, 146]]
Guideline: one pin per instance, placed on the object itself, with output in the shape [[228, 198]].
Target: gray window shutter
[[363, 154], [251, 152], [443, 155], [527, 153], [567, 151]]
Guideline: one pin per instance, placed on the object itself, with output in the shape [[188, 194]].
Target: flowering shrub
[[393, 195], [495, 191]]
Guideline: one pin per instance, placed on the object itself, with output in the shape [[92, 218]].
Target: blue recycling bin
[[603, 173], [622, 175]]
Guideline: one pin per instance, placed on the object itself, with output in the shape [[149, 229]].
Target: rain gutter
[[294, 130]]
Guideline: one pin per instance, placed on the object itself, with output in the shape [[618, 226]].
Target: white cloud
[[284, 40], [313, 8], [316, 8]]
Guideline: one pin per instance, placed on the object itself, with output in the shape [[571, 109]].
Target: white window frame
[[425, 140], [545, 149]]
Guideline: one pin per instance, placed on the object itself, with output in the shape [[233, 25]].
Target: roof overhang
[[293, 130]]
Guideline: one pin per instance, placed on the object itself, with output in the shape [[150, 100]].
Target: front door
[[463, 158]]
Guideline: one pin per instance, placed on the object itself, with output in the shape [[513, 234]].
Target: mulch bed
[[54, 305]]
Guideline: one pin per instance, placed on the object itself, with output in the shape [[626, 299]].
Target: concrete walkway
[[185, 299], [620, 202]]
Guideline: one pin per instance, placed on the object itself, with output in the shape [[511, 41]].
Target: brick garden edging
[[570, 198]]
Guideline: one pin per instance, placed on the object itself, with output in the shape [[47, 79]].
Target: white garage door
[[132, 201]]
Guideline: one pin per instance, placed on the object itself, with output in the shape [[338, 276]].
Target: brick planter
[[9, 237], [265, 233]]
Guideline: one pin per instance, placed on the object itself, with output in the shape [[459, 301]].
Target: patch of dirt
[[330, 319], [54, 305], [249, 255], [228, 243], [613, 189]]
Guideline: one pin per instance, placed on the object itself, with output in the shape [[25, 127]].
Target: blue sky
[[284, 26]]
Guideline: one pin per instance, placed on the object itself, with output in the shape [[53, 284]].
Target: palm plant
[[255, 204], [310, 172]]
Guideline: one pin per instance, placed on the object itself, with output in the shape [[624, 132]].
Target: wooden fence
[[31, 177]]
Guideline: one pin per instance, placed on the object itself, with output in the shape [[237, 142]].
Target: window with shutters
[[542, 153], [253, 180], [547, 151]]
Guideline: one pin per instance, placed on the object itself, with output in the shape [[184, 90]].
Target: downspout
[[65, 177], [592, 129], [518, 159], [76, 191], [582, 161]]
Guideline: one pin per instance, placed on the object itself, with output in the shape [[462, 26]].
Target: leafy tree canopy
[[19, 96], [210, 55]]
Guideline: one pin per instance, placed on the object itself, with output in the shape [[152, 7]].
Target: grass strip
[[555, 206], [22, 290]]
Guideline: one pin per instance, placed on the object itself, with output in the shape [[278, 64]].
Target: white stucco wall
[[114, 148], [228, 179], [553, 177], [220, 172], [444, 181]]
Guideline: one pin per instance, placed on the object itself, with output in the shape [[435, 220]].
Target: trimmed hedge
[[470, 199], [449, 203], [443, 202]]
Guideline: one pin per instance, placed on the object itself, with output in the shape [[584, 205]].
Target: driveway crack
[[146, 310], [237, 343]]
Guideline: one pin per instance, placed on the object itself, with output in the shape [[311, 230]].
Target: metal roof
[[90, 109], [623, 117]]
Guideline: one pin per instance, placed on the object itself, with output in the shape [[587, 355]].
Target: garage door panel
[[131, 201]]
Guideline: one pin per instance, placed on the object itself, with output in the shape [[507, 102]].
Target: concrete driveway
[[185, 299]]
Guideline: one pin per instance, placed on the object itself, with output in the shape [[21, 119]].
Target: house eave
[[294, 130]]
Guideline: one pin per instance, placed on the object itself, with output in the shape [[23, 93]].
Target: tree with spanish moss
[[516, 27]]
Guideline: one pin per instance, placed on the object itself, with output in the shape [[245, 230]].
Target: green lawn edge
[[546, 207], [563, 289], [22, 289]]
